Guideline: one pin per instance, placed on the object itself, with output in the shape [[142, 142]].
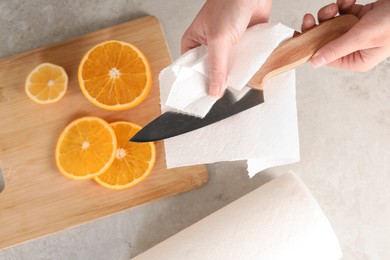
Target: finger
[[189, 40], [348, 43], [365, 9], [362, 60], [345, 4], [356, 62], [354, 9], [188, 44], [351, 61], [308, 22], [218, 64], [327, 12]]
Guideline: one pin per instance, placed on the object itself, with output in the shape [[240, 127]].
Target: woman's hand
[[219, 25], [365, 45]]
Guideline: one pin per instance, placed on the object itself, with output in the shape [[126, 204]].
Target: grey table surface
[[344, 128]]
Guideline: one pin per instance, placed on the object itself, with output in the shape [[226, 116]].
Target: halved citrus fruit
[[115, 75], [133, 161], [47, 83], [85, 148]]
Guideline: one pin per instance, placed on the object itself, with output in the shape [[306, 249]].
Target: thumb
[[348, 43], [218, 65]]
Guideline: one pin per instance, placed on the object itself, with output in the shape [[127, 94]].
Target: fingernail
[[346, 4], [318, 61]]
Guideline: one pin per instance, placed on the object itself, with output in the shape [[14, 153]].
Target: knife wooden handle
[[299, 49]]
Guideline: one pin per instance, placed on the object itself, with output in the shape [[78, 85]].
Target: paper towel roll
[[279, 220]]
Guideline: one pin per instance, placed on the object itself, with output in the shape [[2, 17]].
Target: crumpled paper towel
[[265, 135], [278, 221]]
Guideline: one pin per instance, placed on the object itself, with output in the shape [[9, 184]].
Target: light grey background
[[344, 126]]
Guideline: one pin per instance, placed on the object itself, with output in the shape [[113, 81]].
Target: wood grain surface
[[37, 199], [299, 49]]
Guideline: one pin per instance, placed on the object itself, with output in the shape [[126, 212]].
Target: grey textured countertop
[[344, 127]]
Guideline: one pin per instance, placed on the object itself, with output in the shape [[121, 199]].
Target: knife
[[288, 55]]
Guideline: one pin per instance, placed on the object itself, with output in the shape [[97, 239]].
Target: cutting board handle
[[299, 49]]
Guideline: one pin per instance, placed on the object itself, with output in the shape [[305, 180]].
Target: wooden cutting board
[[37, 199]]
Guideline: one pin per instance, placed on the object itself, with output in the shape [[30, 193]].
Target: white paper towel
[[265, 135], [278, 221], [189, 91]]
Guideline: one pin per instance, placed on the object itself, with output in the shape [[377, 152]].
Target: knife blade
[[172, 124], [289, 55]]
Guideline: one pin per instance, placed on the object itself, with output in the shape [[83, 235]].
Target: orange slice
[[115, 75], [46, 84], [133, 161], [85, 148]]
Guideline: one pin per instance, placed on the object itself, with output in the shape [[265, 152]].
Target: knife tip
[[134, 140], [139, 139]]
